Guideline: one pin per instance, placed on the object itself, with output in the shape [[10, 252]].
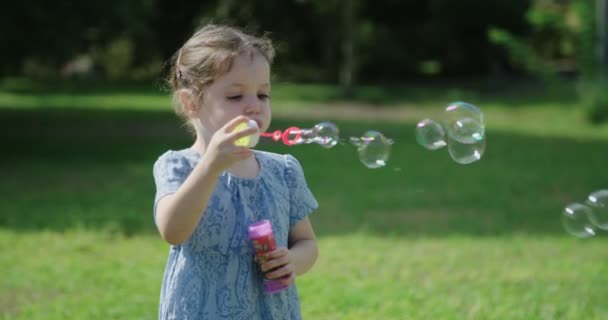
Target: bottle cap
[[260, 229]]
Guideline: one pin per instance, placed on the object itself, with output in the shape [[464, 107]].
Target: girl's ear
[[188, 102]]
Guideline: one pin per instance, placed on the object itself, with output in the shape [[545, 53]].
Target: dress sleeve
[[170, 171], [302, 201]]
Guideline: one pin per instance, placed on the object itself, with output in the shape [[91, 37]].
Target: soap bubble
[[326, 134], [430, 134], [575, 219], [466, 153], [464, 122], [598, 203], [467, 130], [374, 149]]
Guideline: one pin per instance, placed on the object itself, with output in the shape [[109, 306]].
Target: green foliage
[[38, 68], [592, 88], [391, 45], [551, 45], [586, 40], [561, 31], [523, 55], [56, 32], [116, 58], [594, 98], [598, 109]]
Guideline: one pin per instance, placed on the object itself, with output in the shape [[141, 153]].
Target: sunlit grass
[[86, 274]]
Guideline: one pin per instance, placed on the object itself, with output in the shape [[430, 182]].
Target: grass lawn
[[422, 238]]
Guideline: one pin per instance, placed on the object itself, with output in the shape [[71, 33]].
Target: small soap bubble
[[326, 134], [466, 153], [464, 122], [575, 219], [467, 130], [598, 204], [430, 134], [374, 149]]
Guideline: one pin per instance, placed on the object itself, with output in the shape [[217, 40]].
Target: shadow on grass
[[82, 86], [511, 92], [72, 168]]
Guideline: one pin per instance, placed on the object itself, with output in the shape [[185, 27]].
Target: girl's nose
[[252, 105]]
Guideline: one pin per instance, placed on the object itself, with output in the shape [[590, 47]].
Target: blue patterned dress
[[213, 275]]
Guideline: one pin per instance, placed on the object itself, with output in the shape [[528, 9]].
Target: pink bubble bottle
[[263, 241]]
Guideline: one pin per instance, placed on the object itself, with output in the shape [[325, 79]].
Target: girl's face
[[244, 90]]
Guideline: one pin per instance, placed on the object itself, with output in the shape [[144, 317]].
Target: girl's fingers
[[275, 258], [277, 262], [283, 271], [278, 252]]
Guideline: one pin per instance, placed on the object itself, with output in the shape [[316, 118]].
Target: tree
[[349, 47], [48, 33], [595, 95], [602, 38], [592, 82]]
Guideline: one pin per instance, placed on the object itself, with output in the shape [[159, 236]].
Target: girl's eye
[[234, 98], [263, 96]]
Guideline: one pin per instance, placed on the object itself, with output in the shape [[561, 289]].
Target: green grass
[[423, 238], [83, 274]]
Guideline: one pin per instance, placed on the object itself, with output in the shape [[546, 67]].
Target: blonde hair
[[209, 54]]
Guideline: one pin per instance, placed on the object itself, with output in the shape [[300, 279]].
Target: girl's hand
[[280, 262], [222, 151]]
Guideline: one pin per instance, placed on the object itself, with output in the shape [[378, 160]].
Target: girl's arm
[[286, 263], [178, 214], [303, 246]]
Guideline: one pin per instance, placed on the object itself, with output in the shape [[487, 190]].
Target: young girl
[[207, 195]]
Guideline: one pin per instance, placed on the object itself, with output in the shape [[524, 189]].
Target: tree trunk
[[348, 65], [602, 41]]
